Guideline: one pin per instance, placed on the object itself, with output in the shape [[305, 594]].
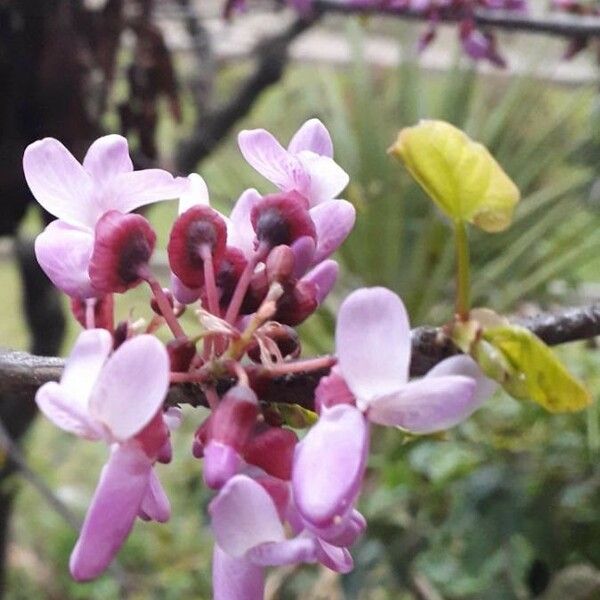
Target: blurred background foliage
[[505, 506]]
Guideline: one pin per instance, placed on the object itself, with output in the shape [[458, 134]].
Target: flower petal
[[129, 191], [59, 183], [289, 552], [465, 365], [329, 465], [107, 157], [236, 578], [64, 252], [335, 558], [85, 363], [327, 178], [240, 233], [243, 516], [304, 251], [64, 410], [427, 405], [373, 343], [272, 160], [324, 276], [155, 504], [313, 136], [115, 505], [334, 220], [196, 194], [131, 386]]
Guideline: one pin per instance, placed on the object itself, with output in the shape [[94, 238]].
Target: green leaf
[[533, 372], [294, 415], [459, 175]]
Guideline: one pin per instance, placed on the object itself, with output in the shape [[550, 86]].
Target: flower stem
[[164, 305], [462, 273], [302, 366]]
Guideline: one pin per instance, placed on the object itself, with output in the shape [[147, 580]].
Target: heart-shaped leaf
[[459, 175]]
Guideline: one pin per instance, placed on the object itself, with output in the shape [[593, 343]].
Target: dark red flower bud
[[201, 438], [272, 450], [123, 246], [286, 338], [198, 230], [103, 311], [282, 219], [256, 293], [153, 437], [297, 303], [234, 418], [280, 264], [181, 354], [154, 304]]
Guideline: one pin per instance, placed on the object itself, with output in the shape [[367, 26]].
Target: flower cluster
[[252, 277]]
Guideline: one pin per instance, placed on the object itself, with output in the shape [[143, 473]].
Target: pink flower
[[371, 383], [248, 526], [117, 399], [306, 167], [79, 195]]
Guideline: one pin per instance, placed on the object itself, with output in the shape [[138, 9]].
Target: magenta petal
[[272, 160], [236, 578], [131, 386], [373, 343], [221, 463], [345, 533], [465, 365], [183, 293], [129, 191], [107, 157], [427, 405], [115, 505], [334, 220], [304, 251], [59, 183], [289, 552], [313, 136], [329, 465], [155, 504], [243, 516], [64, 253], [335, 558], [324, 276]]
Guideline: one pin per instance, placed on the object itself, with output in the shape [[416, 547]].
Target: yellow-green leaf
[[535, 373], [459, 175], [295, 415]]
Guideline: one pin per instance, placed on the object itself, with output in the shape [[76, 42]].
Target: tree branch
[[21, 374], [271, 60], [562, 25]]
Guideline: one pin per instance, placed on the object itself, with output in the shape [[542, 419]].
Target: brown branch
[[271, 60], [562, 25], [21, 374]]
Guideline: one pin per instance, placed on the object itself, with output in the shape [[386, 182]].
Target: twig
[[21, 374], [271, 59], [561, 25]]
